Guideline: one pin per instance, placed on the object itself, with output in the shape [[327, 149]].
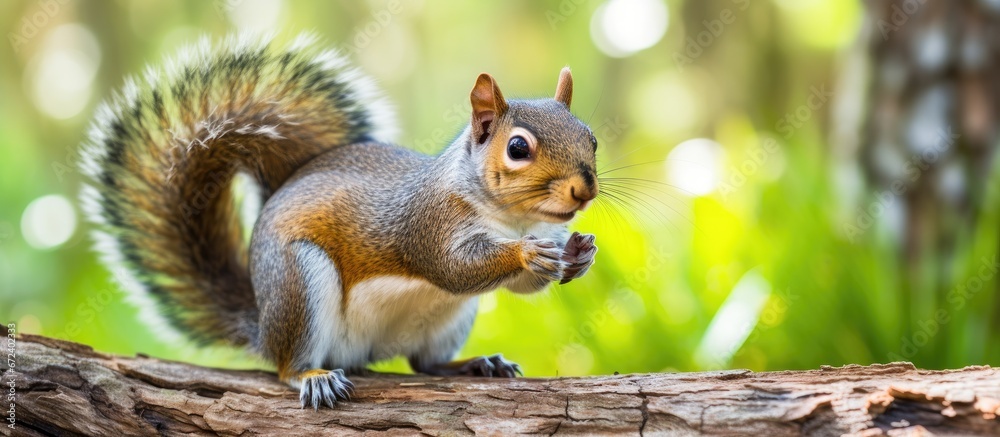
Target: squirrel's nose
[[583, 188], [583, 195]]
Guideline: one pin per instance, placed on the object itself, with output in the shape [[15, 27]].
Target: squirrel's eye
[[517, 148]]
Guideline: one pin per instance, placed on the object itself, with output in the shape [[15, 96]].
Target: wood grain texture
[[65, 389]]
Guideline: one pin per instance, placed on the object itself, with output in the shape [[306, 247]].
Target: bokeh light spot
[[61, 76], [735, 320], [48, 221], [620, 28], [822, 23], [695, 166], [254, 15], [30, 324], [666, 104]]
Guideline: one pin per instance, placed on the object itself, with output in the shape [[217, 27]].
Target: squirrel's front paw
[[579, 255], [543, 257], [324, 387]]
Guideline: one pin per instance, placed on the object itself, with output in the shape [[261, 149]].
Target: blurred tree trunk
[[927, 140]]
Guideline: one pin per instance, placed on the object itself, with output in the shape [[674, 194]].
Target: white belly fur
[[385, 316]]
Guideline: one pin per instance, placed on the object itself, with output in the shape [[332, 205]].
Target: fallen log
[[67, 388]]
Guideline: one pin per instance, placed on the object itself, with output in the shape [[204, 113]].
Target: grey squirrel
[[363, 250]]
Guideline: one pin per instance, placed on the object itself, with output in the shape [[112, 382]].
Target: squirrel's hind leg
[[326, 387], [489, 366], [435, 357]]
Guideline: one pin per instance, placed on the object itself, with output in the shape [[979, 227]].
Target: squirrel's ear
[[487, 105], [564, 89]]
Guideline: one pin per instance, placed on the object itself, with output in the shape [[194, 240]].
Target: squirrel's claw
[[325, 389], [517, 368], [579, 254], [493, 365], [504, 368], [543, 258]]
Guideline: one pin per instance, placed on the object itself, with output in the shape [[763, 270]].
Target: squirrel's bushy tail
[[162, 154]]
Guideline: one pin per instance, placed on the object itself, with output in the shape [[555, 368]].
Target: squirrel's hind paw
[[324, 387], [488, 366], [493, 365]]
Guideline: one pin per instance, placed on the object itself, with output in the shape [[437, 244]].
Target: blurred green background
[[798, 182]]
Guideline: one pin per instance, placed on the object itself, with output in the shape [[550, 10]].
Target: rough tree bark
[[66, 388]]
